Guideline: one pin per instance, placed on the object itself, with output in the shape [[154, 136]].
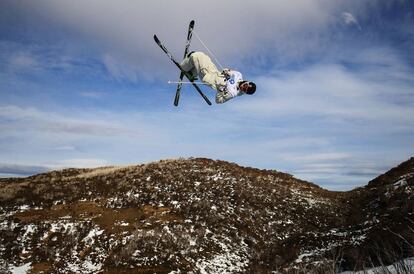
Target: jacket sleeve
[[222, 97]]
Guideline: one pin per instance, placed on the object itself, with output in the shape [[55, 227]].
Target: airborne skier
[[228, 83]]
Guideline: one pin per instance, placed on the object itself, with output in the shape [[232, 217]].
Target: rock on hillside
[[193, 215]]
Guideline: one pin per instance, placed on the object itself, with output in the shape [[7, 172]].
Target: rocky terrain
[[201, 216]]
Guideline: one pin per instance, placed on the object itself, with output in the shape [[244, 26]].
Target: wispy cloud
[[64, 148], [45, 59], [332, 92], [348, 173], [78, 163], [92, 94], [22, 61], [7, 170], [17, 118], [22, 170], [350, 20], [124, 30], [317, 157], [119, 70]]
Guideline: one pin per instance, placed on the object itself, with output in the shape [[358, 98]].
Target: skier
[[228, 83]]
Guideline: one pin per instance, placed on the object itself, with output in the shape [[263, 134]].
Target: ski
[[187, 45], [178, 65]]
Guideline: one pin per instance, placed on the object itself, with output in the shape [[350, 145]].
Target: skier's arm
[[223, 96]]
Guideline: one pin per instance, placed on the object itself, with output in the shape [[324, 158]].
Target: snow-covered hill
[[200, 216]]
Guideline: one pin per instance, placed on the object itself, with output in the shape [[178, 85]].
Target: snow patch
[[400, 183], [24, 208], [85, 267], [90, 238], [23, 269], [233, 259], [304, 255]]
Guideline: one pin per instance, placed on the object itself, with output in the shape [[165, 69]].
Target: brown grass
[[109, 219]]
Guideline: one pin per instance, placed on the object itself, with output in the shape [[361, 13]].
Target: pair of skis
[[183, 73]]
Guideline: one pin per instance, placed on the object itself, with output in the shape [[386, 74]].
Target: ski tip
[[156, 38]]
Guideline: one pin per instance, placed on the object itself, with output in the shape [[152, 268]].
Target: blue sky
[[82, 84]]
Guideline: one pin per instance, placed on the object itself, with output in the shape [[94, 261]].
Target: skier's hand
[[222, 97], [226, 73]]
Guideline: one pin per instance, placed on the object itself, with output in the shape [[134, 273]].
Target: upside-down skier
[[228, 83]]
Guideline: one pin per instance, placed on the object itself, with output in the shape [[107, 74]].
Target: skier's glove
[[226, 73]]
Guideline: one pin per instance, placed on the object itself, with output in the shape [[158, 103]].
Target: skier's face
[[244, 86]]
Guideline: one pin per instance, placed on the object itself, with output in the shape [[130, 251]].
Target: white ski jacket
[[232, 87]]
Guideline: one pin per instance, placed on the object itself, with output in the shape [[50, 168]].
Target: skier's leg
[[206, 70], [187, 64], [201, 63]]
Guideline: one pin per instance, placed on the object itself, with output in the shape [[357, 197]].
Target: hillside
[[198, 215]]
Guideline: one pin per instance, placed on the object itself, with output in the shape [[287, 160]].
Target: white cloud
[[78, 163], [31, 119], [317, 157], [65, 148], [92, 94], [332, 92], [343, 174], [7, 170], [72, 137], [350, 20], [22, 61], [37, 59], [123, 30], [12, 170], [118, 70]]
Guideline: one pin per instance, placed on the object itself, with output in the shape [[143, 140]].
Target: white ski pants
[[201, 65]]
